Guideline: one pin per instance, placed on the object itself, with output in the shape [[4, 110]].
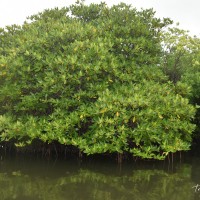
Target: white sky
[[187, 12]]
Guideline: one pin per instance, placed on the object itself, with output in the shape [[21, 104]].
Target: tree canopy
[[90, 76]]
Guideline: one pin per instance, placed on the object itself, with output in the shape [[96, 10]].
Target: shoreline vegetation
[[55, 151], [93, 79]]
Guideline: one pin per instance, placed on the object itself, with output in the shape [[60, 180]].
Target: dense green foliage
[[181, 62], [88, 76]]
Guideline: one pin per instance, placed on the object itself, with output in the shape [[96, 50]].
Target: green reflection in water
[[42, 181]]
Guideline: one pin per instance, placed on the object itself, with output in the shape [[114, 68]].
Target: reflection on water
[[63, 180]]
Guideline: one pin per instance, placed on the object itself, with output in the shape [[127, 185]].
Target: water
[[28, 178]]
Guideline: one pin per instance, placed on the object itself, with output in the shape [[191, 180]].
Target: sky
[[186, 12]]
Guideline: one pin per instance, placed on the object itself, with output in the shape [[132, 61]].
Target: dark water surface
[[35, 179]]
